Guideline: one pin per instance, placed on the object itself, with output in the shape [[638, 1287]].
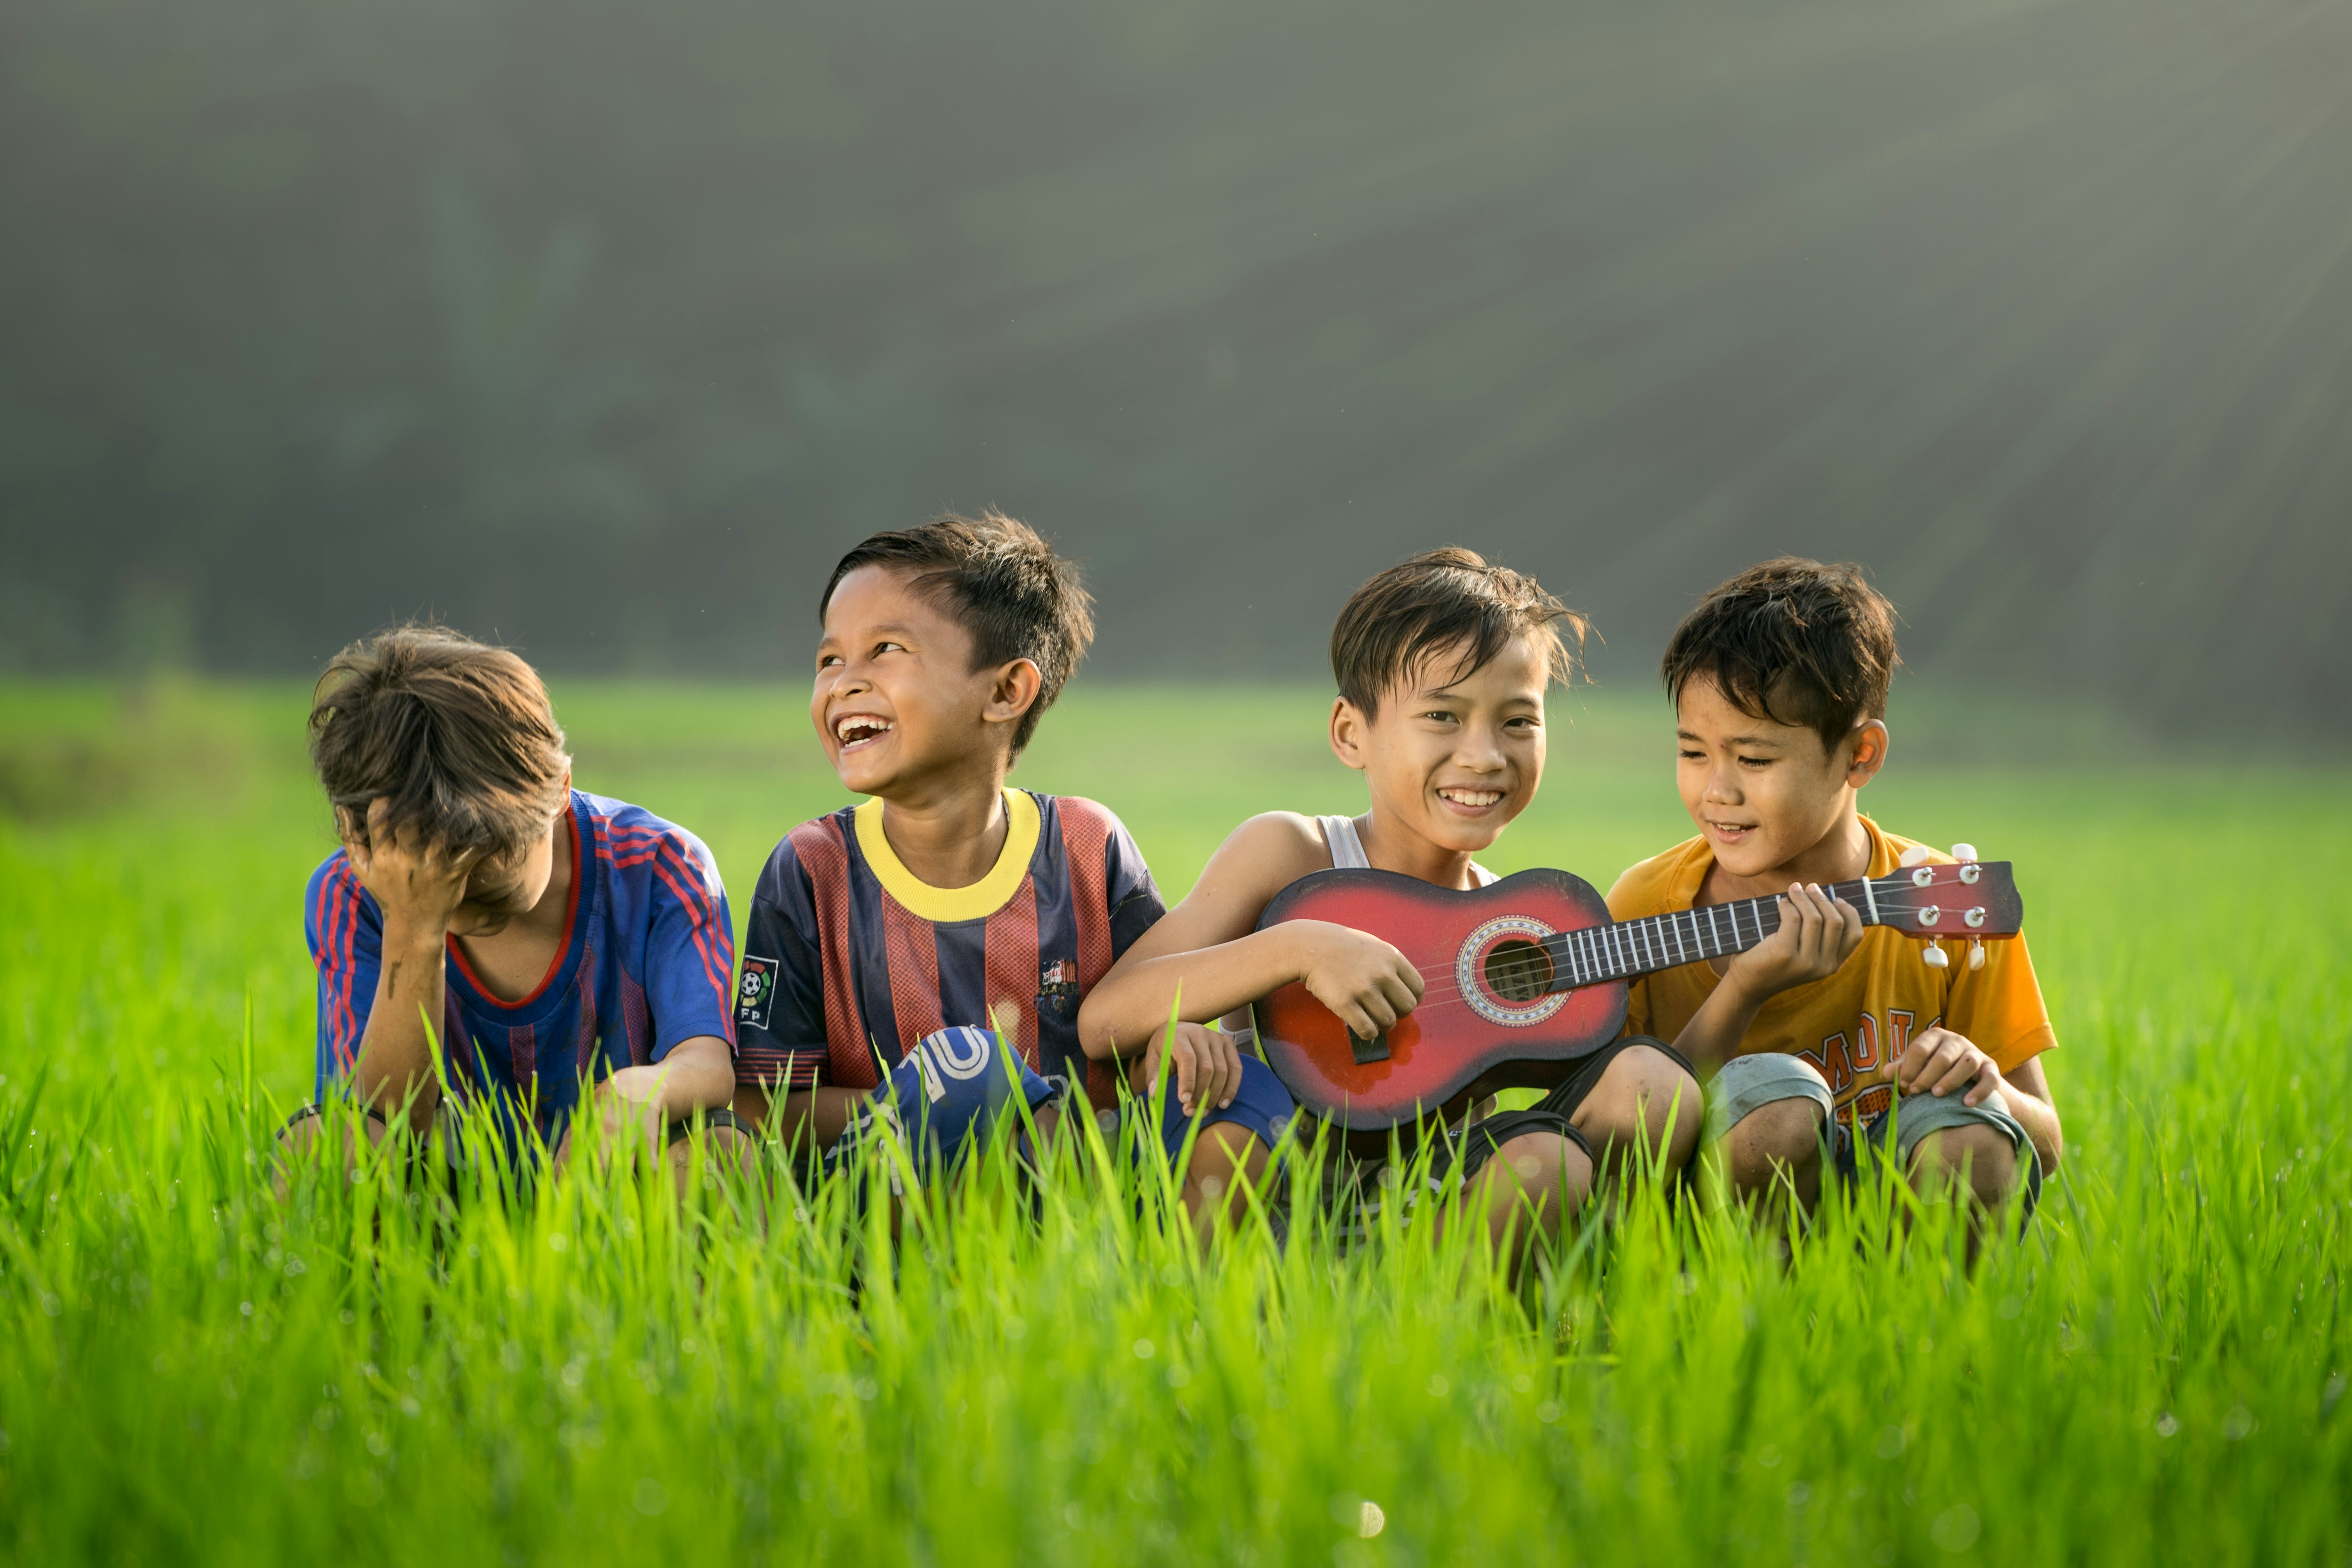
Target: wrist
[[406, 935]]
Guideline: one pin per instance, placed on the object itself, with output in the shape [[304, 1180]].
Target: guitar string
[[1757, 916]]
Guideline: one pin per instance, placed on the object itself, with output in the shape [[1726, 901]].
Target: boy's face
[[1457, 762], [1763, 793], [897, 700], [503, 887]]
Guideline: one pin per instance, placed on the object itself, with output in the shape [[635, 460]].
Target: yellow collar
[[943, 906]]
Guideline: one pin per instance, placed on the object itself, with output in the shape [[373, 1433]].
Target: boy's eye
[[827, 660], [1755, 761], [889, 647], [1440, 715]]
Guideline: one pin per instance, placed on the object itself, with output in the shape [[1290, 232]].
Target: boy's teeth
[[851, 731], [1473, 796]]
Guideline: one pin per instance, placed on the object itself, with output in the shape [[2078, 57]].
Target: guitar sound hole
[[1518, 970]]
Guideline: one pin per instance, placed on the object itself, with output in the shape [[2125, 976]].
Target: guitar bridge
[[1375, 1050]]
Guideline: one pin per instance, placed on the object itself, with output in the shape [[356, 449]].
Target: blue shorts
[[1261, 1105], [1748, 1083]]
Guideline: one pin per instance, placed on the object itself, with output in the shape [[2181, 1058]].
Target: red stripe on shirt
[[1086, 847], [1012, 968], [700, 914], [824, 856], [912, 946]]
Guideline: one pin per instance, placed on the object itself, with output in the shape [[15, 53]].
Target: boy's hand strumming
[[1819, 931], [1368, 982], [1940, 1061], [418, 882]]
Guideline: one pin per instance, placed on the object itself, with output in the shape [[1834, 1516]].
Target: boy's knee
[[1225, 1153], [1647, 1093], [1778, 1135], [1983, 1155], [1546, 1168]]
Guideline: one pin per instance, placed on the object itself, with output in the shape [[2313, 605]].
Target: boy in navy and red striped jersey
[[891, 943], [554, 938]]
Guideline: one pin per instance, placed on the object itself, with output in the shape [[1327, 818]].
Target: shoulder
[[630, 838], [338, 916], [1887, 850], [1663, 882], [1084, 825], [817, 847], [1266, 854]]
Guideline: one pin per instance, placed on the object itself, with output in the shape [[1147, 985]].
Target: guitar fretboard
[[1621, 951]]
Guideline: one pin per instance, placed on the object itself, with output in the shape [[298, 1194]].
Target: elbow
[[1097, 1038]]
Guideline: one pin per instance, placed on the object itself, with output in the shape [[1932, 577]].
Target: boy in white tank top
[[1442, 664]]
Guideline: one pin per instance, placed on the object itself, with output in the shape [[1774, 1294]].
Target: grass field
[[2154, 1372]]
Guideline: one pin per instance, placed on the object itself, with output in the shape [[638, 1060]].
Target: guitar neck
[[1598, 954]]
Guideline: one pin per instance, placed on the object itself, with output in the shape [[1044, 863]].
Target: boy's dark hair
[[1001, 580], [1793, 641], [1440, 600], [456, 735]]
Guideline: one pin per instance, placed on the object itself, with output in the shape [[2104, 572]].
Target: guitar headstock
[[1969, 897]]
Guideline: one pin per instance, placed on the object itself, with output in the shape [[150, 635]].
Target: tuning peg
[[1936, 957], [1917, 855], [1976, 953], [1964, 851]]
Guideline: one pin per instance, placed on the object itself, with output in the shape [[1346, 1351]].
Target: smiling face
[[1453, 764], [896, 702], [1770, 798]]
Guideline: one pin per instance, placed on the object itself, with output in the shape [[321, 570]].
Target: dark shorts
[[1584, 1075]]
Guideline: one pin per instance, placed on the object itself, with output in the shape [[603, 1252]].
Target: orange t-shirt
[[1852, 1022]]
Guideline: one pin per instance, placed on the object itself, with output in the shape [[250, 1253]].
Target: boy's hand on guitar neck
[[1365, 981], [1818, 934]]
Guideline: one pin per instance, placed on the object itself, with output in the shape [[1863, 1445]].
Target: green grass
[[2153, 1372]]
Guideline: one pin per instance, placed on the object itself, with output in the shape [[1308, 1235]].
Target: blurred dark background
[[602, 327]]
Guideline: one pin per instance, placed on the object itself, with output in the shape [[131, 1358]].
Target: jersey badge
[[755, 993]]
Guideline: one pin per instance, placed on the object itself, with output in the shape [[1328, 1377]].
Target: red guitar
[[1532, 969]]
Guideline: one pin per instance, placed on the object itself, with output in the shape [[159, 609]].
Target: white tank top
[[1347, 847]]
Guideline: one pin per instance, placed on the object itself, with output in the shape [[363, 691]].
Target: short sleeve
[[1998, 1008], [346, 936], [1133, 897], [780, 1031], [690, 947]]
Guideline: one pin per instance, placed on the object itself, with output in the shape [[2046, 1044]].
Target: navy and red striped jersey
[[849, 960], [647, 955]]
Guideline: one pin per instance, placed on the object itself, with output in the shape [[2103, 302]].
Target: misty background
[[602, 327]]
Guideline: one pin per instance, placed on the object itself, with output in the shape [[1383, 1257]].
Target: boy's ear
[[1865, 752], [1348, 727], [1013, 691]]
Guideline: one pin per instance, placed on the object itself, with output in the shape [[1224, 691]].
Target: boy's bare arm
[[419, 887], [1208, 951], [819, 1115], [696, 1074], [1817, 933]]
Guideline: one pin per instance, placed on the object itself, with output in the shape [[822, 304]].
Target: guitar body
[[1485, 1004]]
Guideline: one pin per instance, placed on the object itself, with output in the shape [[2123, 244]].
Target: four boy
[[953, 945]]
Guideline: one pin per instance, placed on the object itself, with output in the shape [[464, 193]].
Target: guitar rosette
[[1502, 955]]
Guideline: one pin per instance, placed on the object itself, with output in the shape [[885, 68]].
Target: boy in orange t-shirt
[[1809, 1040]]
